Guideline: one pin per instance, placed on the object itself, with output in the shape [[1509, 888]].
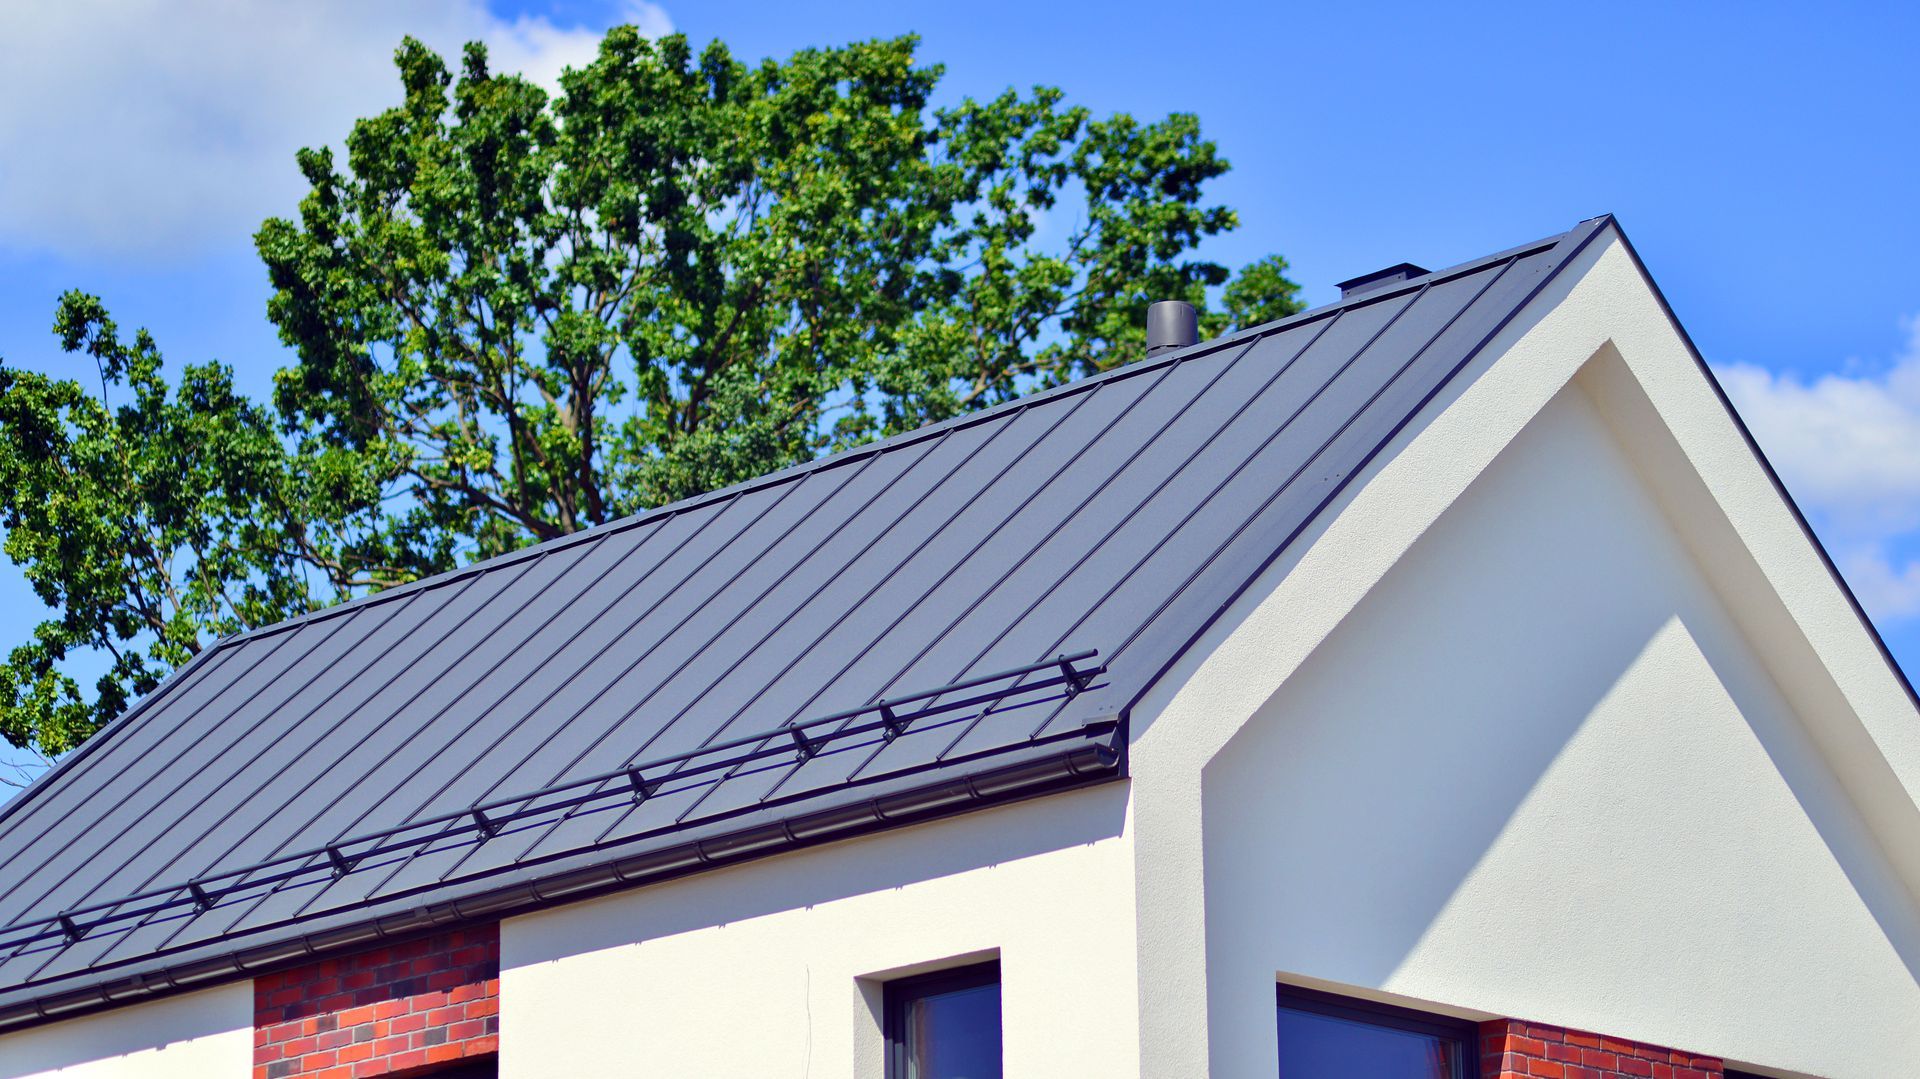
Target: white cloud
[[167, 128], [1888, 587], [1848, 447]]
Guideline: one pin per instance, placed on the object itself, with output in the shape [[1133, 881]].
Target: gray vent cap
[[1171, 324]]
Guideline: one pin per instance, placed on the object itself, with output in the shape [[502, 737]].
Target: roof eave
[[1084, 764]]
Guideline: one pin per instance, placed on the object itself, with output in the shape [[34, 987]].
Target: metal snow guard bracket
[[891, 718]]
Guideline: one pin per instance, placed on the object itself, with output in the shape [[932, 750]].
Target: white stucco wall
[[770, 969], [1750, 685], [204, 1035], [1556, 714], [1539, 772]]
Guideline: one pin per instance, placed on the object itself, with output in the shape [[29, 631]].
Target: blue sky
[[1763, 157]]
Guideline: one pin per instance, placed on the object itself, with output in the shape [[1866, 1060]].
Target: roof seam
[[1212, 557], [287, 698], [1253, 398], [959, 619], [906, 815], [441, 825], [1005, 520], [669, 634], [899, 441], [661, 514], [617, 638], [324, 736], [1576, 240], [105, 810], [872, 542], [1034, 603], [101, 737], [932, 555]]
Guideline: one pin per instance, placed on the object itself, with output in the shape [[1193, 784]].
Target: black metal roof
[[958, 615]]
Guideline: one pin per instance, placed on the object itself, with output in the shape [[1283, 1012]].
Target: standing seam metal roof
[[311, 784]]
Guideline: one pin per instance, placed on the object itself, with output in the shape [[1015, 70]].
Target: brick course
[[383, 1011], [1512, 1049]]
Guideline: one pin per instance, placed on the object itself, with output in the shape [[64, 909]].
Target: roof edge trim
[[487, 816], [1566, 246], [118, 723], [1766, 465], [661, 514], [1081, 766], [853, 455]]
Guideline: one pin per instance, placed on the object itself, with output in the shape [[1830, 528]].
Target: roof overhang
[[1093, 756]]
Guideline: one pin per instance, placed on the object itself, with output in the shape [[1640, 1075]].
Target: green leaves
[[145, 524], [515, 316]]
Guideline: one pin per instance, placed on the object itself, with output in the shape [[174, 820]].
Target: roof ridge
[[851, 455], [973, 573], [1575, 240], [793, 473]]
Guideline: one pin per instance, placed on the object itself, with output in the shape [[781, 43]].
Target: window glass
[[945, 1025], [1322, 1036]]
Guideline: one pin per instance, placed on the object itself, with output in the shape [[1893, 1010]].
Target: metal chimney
[[1171, 324]]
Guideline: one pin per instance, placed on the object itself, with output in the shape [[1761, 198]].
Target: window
[[945, 1025], [1325, 1035]]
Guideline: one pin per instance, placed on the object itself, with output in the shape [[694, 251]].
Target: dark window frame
[[1354, 1009], [480, 1067], [899, 993]]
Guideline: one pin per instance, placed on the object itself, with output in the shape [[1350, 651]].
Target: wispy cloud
[[166, 128], [1848, 446]]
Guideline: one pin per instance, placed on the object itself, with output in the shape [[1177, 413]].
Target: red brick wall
[[1511, 1049], [387, 1010]]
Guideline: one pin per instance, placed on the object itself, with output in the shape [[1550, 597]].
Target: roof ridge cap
[[804, 469], [853, 454]]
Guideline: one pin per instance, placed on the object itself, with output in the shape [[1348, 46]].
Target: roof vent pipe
[[1171, 324]]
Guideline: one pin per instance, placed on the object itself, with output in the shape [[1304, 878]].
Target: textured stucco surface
[[205, 1035], [1556, 714], [773, 968], [1539, 772], [1710, 686]]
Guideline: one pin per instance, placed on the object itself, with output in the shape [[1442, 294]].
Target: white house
[[1435, 684]]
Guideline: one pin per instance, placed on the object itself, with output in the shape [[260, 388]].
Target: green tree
[[147, 525], [516, 316]]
